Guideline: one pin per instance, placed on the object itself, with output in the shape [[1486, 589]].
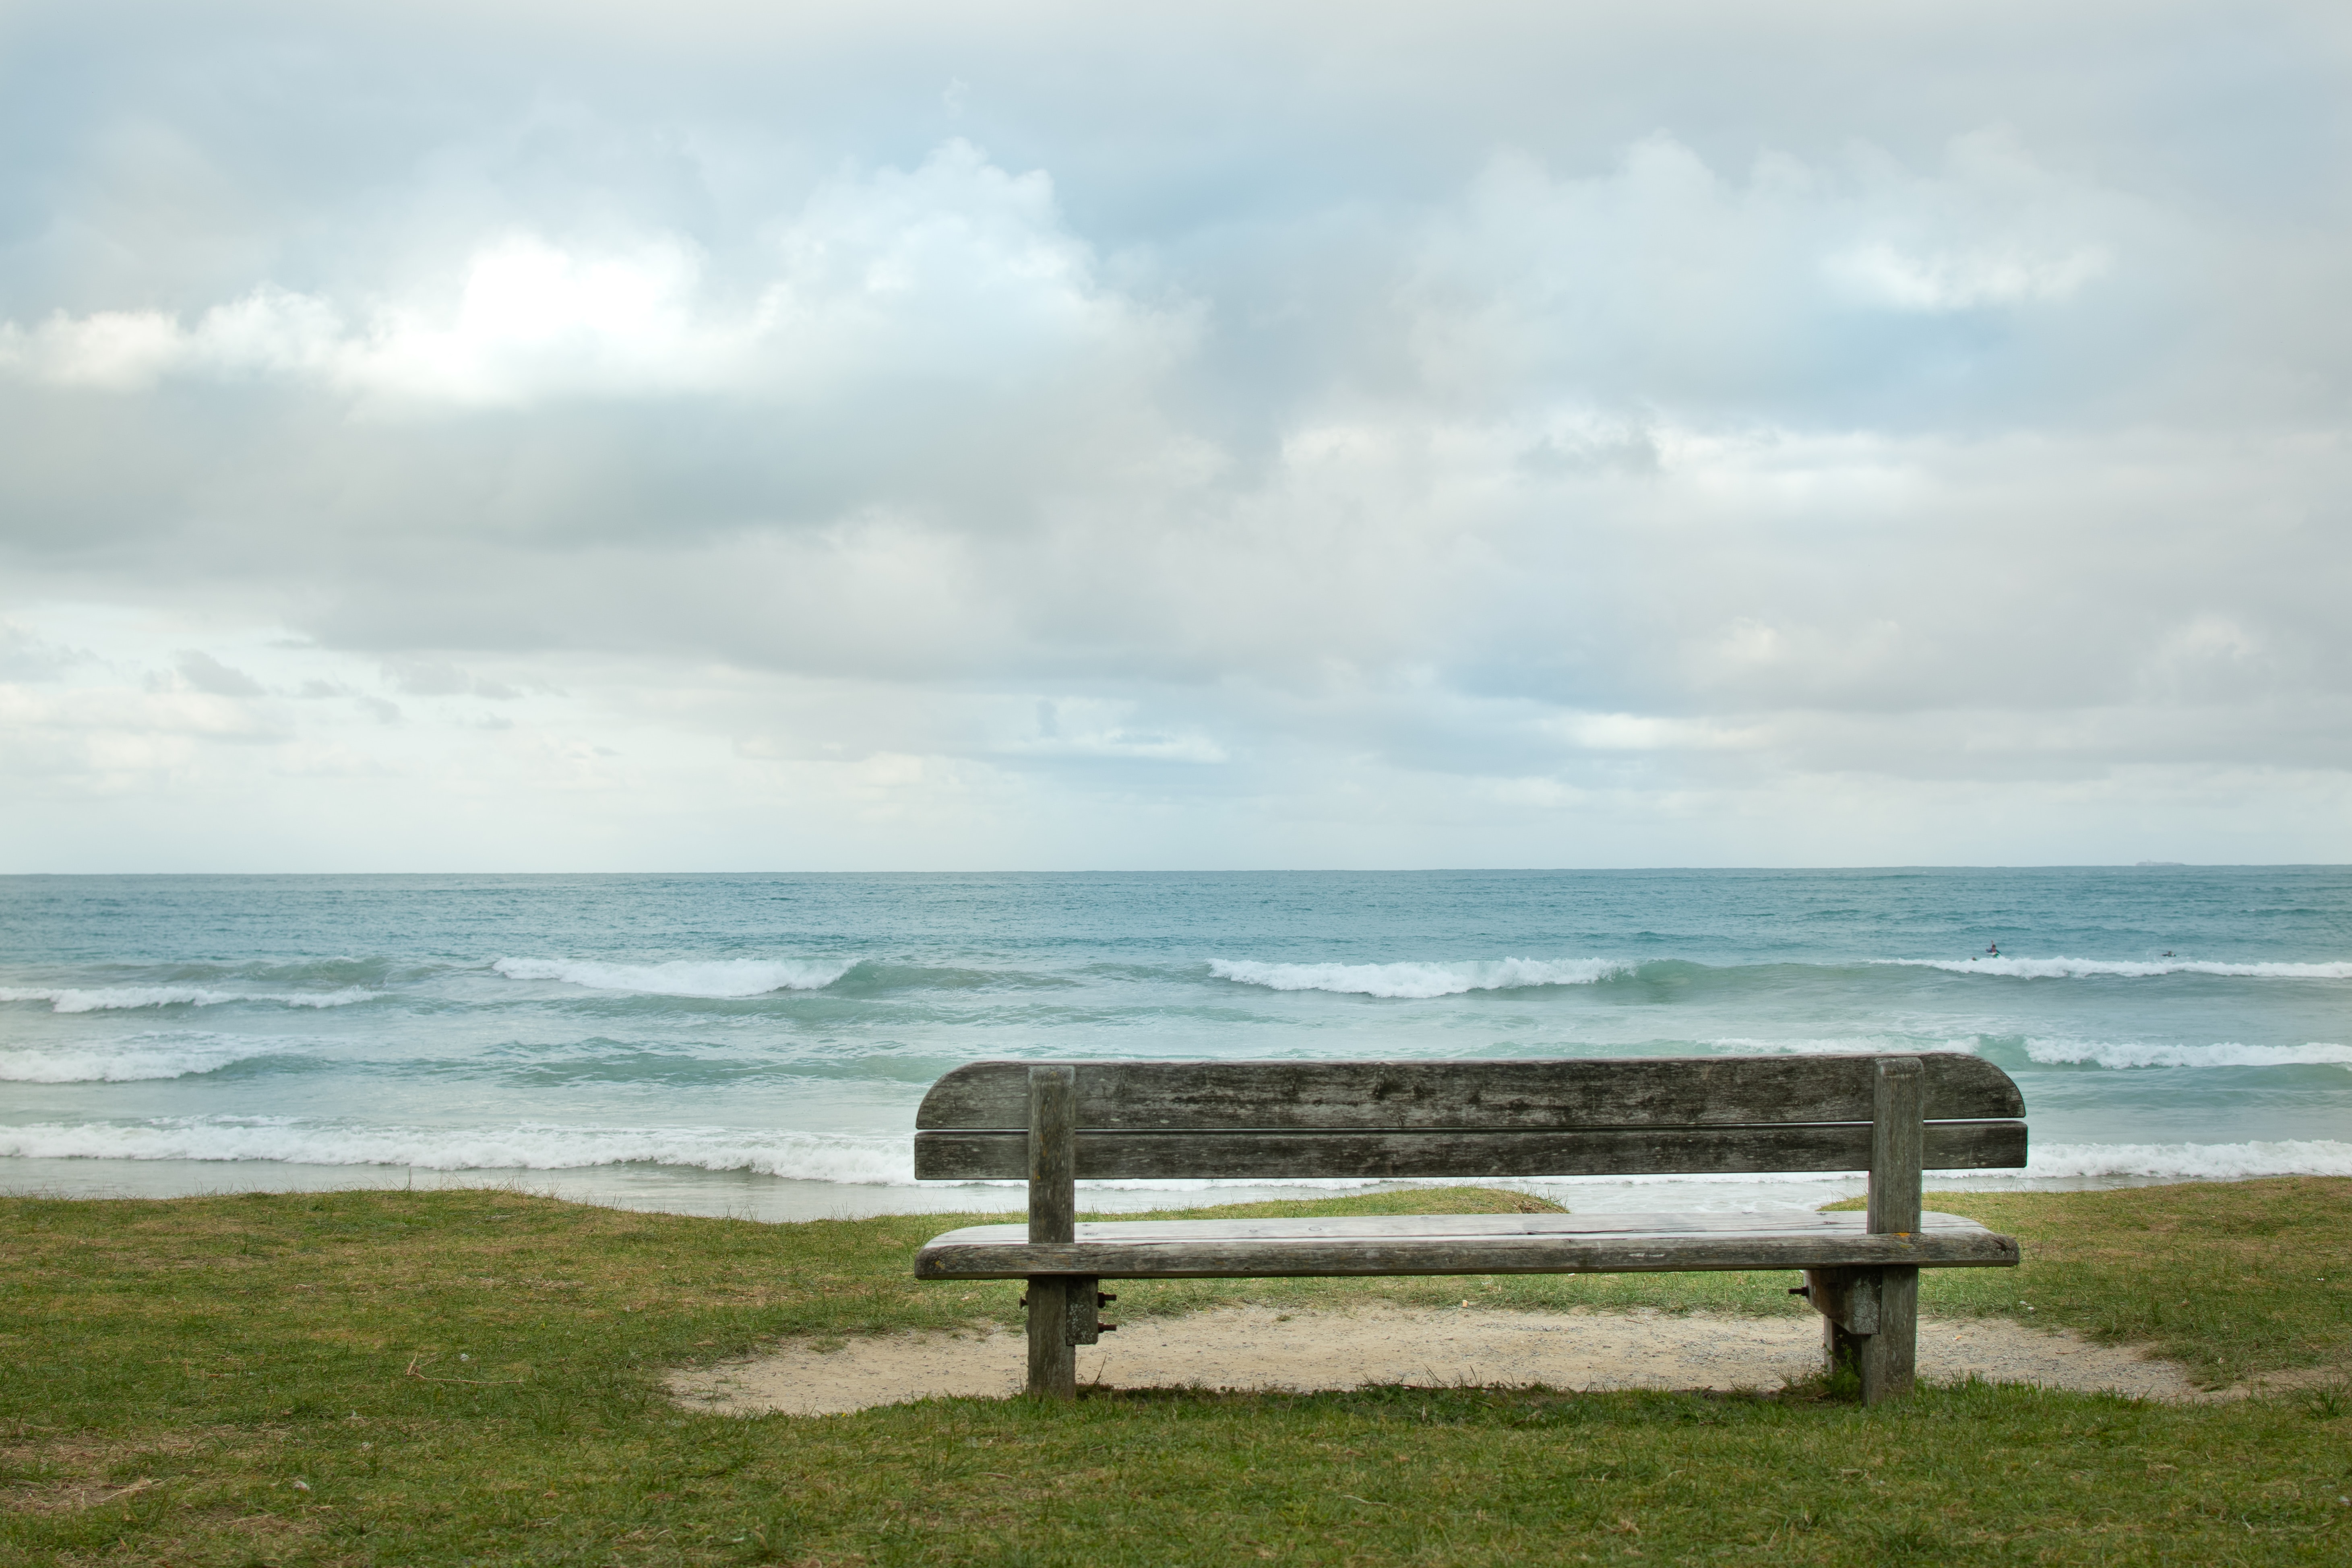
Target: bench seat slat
[[1495, 1095], [1005, 1155], [1444, 1245], [1803, 1222]]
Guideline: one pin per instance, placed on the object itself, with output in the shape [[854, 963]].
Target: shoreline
[[743, 1195]]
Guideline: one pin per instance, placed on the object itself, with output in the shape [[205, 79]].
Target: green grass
[[461, 1377], [2231, 1279]]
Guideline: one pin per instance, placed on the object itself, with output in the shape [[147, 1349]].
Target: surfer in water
[[1993, 949]]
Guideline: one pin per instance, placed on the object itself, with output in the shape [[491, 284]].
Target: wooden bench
[[1054, 1125]]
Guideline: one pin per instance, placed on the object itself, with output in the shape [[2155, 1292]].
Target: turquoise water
[[720, 1034]]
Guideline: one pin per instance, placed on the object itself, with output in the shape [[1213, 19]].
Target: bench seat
[[1460, 1244]]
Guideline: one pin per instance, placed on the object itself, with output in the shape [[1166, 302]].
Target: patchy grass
[[2231, 1279], [457, 1377]]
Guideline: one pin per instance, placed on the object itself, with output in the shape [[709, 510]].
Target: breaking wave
[[104, 998], [525, 1146], [2195, 1162], [2086, 968], [132, 1060], [1418, 980], [2228, 1054], [715, 977]]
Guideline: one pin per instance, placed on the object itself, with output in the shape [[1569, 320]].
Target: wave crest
[[62, 999], [805, 1157], [2226, 1054], [2086, 968], [133, 1060], [712, 977], [1419, 980]]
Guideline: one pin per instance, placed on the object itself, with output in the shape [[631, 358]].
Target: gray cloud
[[26, 658], [1571, 410], [206, 673], [439, 677]]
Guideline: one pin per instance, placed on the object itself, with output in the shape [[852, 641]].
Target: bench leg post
[[1053, 1359], [1889, 1359], [1053, 1216]]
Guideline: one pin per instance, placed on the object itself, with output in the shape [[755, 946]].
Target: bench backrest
[[1636, 1115]]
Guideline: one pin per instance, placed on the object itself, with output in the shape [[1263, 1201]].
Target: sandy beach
[[1259, 1348]]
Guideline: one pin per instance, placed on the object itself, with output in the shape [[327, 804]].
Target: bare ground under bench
[[1263, 1348]]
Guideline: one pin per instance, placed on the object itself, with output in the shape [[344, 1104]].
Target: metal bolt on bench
[[1892, 1116]]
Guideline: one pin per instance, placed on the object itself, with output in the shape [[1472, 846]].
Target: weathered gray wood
[[1459, 1226], [1052, 1217], [1538, 1094], [1846, 1297], [1895, 1146], [1053, 1361], [1048, 1146], [1568, 1254], [1888, 1116], [1889, 1358], [1084, 1326], [1002, 1156]]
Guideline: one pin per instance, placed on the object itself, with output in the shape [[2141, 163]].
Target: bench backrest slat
[[1630, 1115], [1494, 1095], [1283, 1156]]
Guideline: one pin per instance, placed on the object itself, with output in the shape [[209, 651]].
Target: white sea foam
[[128, 1061], [527, 1146], [2195, 1162], [105, 998], [2086, 968], [1419, 980], [886, 1161], [1851, 1045], [2227, 1054], [684, 976]]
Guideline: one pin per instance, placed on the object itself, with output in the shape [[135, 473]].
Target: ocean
[[757, 1045]]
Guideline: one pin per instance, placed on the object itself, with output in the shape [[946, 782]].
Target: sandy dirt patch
[[1260, 1348]]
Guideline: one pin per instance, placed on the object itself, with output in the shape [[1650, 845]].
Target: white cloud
[[1643, 732], [1586, 450], [954, 270], [1967, 280]]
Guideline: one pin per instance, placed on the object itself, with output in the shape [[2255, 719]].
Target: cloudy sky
[[710, 436]]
